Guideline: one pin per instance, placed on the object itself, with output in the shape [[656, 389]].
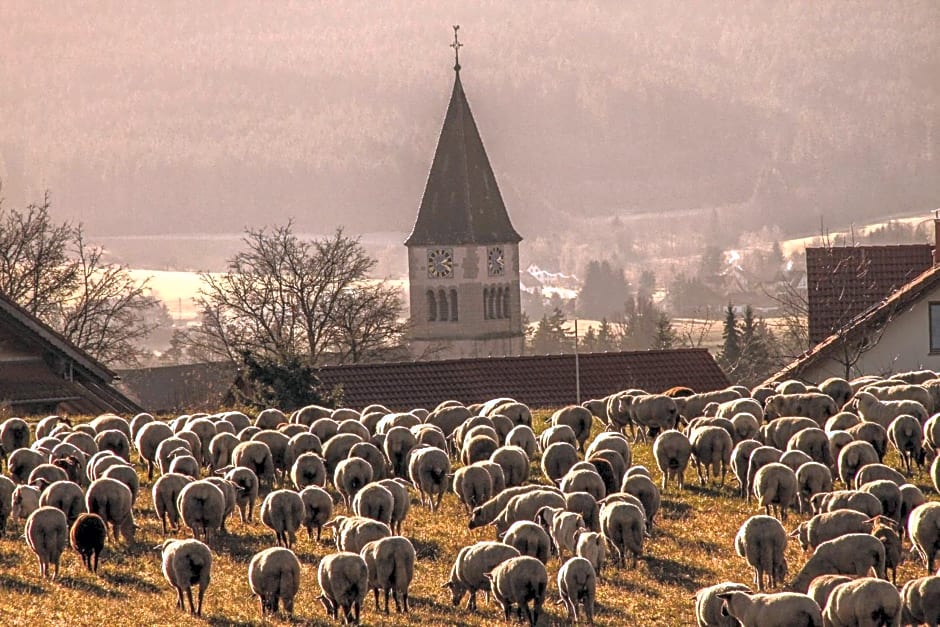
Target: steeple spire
[[456, 46]]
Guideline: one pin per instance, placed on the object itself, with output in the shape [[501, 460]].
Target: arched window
[[453, 305], [432, 306], [486, 297], [506, 310], [498, 305], [442, 306], [491, 304]]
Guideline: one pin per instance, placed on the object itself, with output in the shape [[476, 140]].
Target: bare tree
[[367, 324]]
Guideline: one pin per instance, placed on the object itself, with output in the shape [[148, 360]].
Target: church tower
[[463, 253]]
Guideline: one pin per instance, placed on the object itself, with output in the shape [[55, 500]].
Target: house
[[41, 372]]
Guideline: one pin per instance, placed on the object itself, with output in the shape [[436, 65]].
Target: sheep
[[815, 405], [691, 406], [577, 585], [530, 539], [711, 449], [283, 512], [902, 392], [874, 434], [374, 501], [870, 409], [862, 602], [923, 528], [374, 455], [672, 451], [911, 497], [885, 530], [828, 526], [399, 490], [115, 441], [812, 478], [646, 491], [351, 533], [611, 441], [731, 408], [308, 469], [850, 554], [594, 547], [487, 513], [147, 441], [625, 525], [584, 480], [344, 582], [126, 475], [21, 463], [24, 501], [745, 426], [428, 469], [563, 528], [775, 487], [473, 486], [391, 566], [814, 442], [578, 418], [708, 605], [279, 445], [185, 563], [820, 588], [398, 444], [935, 473], [558, 433], [783, 609], [448, 418], [888, 493], [165, 450], [219, 453], [201, 506], [650, 412], [740, 460], [518, 413], [111, 499], [87, 537], [14, 434], [517, 581], [318, 507], [514, 462], [467, 575], [66, 496], [921, 601], [875, 472], [838, 389], [558, 459], [906, 435], [762, 541], [351, 475], [523, 437], [305, 443], [842, 421], [47, 534], [779, 431], [586, 505], [255, 456], [795, 459], [274, 577], [853, 457], [847, 499], [6, 501], [932, 428], [525, 506], [838, 440]]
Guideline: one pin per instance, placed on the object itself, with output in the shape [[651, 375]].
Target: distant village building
[[463, 253]]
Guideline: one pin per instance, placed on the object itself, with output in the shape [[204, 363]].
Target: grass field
[[691, 547]]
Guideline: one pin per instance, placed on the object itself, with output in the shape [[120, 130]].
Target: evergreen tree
[[759, 357], [605, 337], [549, 336], [665, 335], [731, 346], [588, 343], [604, 290]]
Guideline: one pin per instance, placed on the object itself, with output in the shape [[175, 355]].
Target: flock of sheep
[[786, 446]]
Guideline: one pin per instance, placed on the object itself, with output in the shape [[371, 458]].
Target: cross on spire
[[456, 46]]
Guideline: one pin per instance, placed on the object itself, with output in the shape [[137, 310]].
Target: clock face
[[440, 263], [495, 261]]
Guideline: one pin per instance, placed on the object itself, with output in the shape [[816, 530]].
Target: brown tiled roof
[[538, 381], [183, 388], [844, 281], [896, 303]]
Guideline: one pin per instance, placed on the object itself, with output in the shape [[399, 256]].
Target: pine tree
[[605, 337], [731, 347], [588, 343], [665, 335], [549, 336]]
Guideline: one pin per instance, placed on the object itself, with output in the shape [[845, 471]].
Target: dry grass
[[691, 547]]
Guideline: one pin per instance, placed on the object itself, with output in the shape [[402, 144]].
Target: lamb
[[563, 528], [775, 486], [813, 405], [672, 451], [577, 585], [762, 541], [711, 448], [517, 581], [201, 505], [351, 533], [351, 475], [187, 562], [283, 512], [374, 501], [47, 533], [870, 409], [274, 577], [923, 528], [740, 459], [255, 456], [66, 496], [784, 609], [625, 525], [578, 418], [921, 601], [829, 526], [391, 566], [906, 435], [428, 469], [558, 459], [853, 457], [473, 485], [514, 462], [851, 554], [708, 605], [111, 499], [530, 539], [87, 537], [863, 601], [468, 573]]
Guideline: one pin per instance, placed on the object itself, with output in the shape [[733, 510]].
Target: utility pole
[[577, 365]]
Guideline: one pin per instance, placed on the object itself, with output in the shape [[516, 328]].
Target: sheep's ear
[[724, 596], [795, 533], [448, 584], [489, 576]]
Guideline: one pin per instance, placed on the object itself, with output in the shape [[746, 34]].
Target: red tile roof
[[844, 281], [538, 381]]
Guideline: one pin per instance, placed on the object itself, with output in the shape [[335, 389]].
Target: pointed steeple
[[461, 203]]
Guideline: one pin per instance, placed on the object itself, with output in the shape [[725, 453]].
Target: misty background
[[168, 127]]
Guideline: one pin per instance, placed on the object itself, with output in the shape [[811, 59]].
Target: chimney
[[936, 237]]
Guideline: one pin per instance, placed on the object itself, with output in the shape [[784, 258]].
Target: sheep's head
[[457, 591]]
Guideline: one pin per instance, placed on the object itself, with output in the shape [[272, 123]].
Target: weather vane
[[456, 46]]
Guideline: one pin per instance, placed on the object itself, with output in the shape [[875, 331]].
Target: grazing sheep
[[517, 581], [784, 609], [514, 462], [691, 406], [711, 449], [625, 525], [921, 601], [853, 457], [779, 431], [584, 480], [814, 442], [201, 506], [468, 573], [447, 419], [374, 455], [729, 409], [374, 501], [586, 505], [645, 490], [911, 497], [888, 493], [7, 487], [283, 512], [308, 469], [650, 412], [523, 437], [847, 499], [578, 418], [246, 492], [47, 534], [672, 451], [87, 537], [875, 472], [24, 501], [874, 434], [318, 507], [815, 405], [428, 469], [351, 475], [111, 499], [923, 528], [885, 530], [850, 554], [557, 433], [256, 456], [829, 526], [593, 547], [126, 475], [530, 539], [473, 485], [274, 577], [762, 541], [147, 441], [820, 588], [708, 605], [399, 490], [165, 493], [344, 582], [838, 389], [745, 426], [740, 460], [14, 434], [525, 506], [906, 435], [398, 444], [219, 453], [775, 487], [870, 409], [865, 601], [21, 463], [187, 563], [812, 478], [351, 533], [485, 514], [611, 441], [577, 585], [558, 459], [842, 421], [391, 566], [66, 496]]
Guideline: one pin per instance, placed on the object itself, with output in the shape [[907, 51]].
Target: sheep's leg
[[189, 596], [202, 593], [179, 599], [375, 594], [404, 600], [387, 591]]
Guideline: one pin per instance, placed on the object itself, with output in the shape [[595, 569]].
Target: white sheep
[[201, 506], [643, 488], [907, 436], [391, 566], [351, 475], [583, 479], [921, 601], [888, 494], [318, 507], [711, 450], [351, 533], [692, 406], [812, 478], [828, 526], [672, 451], [112, 500], [863, 601], [185, 563], [428, 469], [853, 457], [486, 513], [147, 441], [517, 581], [530, 539], [255, 456], [625, 525], [593, 547], [563, 527], [783, 609], [47, 534], [473, 485], [515, 464], [838, 389], [577, 585], [870, 409], [708, 605], [468, 573], [399, 490], [398, 444], [524, 507], [851, 554], [923, 528], [274, 577], [740, 460], [650, 412], [775, 487], [66, 496], [814, 442], [523, 437], [374, 501], [557, 433], [762, 541], [820, 407], [580, 419], [283, 512], [344, 582], [847, 499]]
